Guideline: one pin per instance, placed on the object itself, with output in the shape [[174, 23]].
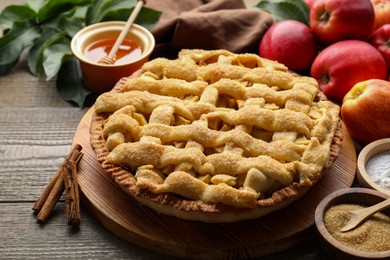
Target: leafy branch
[[45, 28], [286, 9]]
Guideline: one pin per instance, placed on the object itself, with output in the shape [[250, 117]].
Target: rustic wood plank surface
[[36, 131]]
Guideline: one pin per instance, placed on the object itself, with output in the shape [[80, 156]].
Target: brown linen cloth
[[207, 24]]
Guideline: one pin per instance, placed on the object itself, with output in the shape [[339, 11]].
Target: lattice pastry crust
[[215, 136]]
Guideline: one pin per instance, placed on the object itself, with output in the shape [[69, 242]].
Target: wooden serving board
[[142, 226]]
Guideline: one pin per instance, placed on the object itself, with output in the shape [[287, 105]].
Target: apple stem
[[387, 43], [325, 79], [325, 16]]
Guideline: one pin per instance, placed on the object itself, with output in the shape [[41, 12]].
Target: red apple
[[382, 12], [380, 39], [289, 42], [343, 64], [366, 111], [336, 20]]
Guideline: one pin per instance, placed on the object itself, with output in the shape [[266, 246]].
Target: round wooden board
[[142, 226]]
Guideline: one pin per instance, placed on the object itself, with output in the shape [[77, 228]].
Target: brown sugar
[[373, 235]]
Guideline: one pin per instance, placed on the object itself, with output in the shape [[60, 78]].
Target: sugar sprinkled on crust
[[215, 132]]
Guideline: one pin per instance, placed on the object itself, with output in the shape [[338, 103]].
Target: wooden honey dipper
[[110, 59]]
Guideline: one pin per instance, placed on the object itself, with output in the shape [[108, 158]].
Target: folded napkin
[[212, 24]]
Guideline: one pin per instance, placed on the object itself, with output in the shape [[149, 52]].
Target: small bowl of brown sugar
[[369, 240]]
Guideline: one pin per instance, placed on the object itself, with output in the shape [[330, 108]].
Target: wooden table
[[36, 131]]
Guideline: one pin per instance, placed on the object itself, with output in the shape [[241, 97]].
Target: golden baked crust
[[215, 136]]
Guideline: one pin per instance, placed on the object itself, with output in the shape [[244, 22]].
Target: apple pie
[[215, 136]]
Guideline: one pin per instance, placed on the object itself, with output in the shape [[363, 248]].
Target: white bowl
[[365, 155]]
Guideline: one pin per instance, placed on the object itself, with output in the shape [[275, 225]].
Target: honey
[[128, 51], [370, 236]]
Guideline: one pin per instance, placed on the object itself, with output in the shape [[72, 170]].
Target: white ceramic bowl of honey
[[94, 42], [369, 240], [373, 166]]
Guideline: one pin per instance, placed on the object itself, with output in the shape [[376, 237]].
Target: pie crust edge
[[172, 205]]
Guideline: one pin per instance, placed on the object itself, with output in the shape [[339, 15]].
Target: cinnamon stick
[[72, 197], [45, 194], [53, 191], [51, 201]]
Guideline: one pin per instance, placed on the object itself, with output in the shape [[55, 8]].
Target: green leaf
[[5, 68], [73, 22], [99, 9], [53, 8], [70, 25], [81, 12], [35, 58], [119, 10], [286, 9], [70, 84], [68, 22], [35, 4], [147, 16], [22, 35], [54, 56], [13, 13]]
